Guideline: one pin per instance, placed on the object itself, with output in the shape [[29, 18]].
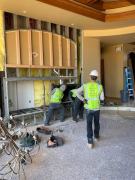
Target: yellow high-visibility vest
[[57, 96], [92, 91], [73, 91]]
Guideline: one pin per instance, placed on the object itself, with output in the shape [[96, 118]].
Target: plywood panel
[[72, 53], [66, 52], [25, 46], [47, 49], [37, 48], [57, 50], [12, 47]]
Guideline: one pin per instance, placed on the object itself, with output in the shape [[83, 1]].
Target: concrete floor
[[112, 158]]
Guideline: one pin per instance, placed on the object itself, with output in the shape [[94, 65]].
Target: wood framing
[[37, 48], [65, 52], [72, 53], [57, 50], [47, 49], [64, 67], [25, 47], [12, 47]]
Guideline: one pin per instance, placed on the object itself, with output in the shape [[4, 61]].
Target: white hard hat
[[94, 73], [63, 87]]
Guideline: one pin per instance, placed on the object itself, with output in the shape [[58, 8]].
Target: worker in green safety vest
[[55, 103], [77, 104], [93, 93]]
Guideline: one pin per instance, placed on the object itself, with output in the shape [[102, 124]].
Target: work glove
[[85, 101], [52, 85]]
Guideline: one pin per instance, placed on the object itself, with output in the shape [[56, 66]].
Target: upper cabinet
[[12, 47]]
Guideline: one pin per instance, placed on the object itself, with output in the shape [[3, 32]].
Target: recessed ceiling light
[[72, 24], [24, 11]]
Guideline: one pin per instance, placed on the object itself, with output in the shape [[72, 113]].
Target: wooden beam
[[116, 4], [132, 1], [96, 5], [120, 16], [76, 8], [91, 1]]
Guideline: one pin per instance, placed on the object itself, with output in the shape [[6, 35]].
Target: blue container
[[124, 96]]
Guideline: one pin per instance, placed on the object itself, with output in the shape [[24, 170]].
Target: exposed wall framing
[[41, 47]]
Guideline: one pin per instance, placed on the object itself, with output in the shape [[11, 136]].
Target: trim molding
[[76, 8], [85, 9]]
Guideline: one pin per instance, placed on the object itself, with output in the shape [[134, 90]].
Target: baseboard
[[119, 108]]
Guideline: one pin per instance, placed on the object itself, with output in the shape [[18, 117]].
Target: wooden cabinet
[[39, 49], [57, 51], [66, 52], [25, 47], [47, 49], [12, 47]]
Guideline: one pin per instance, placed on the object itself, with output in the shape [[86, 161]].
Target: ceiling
[[45, 12], [49, 13]]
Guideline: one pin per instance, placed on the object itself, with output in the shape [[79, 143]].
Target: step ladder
[[128, 82]]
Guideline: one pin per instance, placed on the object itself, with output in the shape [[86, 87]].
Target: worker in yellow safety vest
[[55, 103], [77, 104], [93, 93]]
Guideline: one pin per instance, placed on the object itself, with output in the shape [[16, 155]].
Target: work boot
[[74, 121], [90, 145], [46, 124], [96, 138], [80, 119]]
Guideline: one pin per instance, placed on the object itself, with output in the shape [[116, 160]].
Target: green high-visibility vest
[[57, 96], [92, 91], [73, 91]]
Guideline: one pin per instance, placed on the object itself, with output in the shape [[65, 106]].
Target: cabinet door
[[73, 54], [57, 51], [37, 48], [65, 52], [47, 49], [12, 47], [25, 47]]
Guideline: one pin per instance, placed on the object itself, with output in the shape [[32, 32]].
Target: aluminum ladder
[[128, 81]]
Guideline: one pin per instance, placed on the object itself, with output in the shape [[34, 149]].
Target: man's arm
[[52, 90], [102, 96], [70, 97], [78, 93]]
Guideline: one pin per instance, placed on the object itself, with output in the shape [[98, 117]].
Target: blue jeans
[[52, 108], [78, 108], [90, 114]]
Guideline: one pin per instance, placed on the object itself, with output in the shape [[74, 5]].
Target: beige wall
[[113, 71], [91, 57]]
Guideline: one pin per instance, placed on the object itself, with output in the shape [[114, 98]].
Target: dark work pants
[[52, 108], [78, 108], [90, 114]]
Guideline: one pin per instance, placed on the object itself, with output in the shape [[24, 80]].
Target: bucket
[[124, 96]]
